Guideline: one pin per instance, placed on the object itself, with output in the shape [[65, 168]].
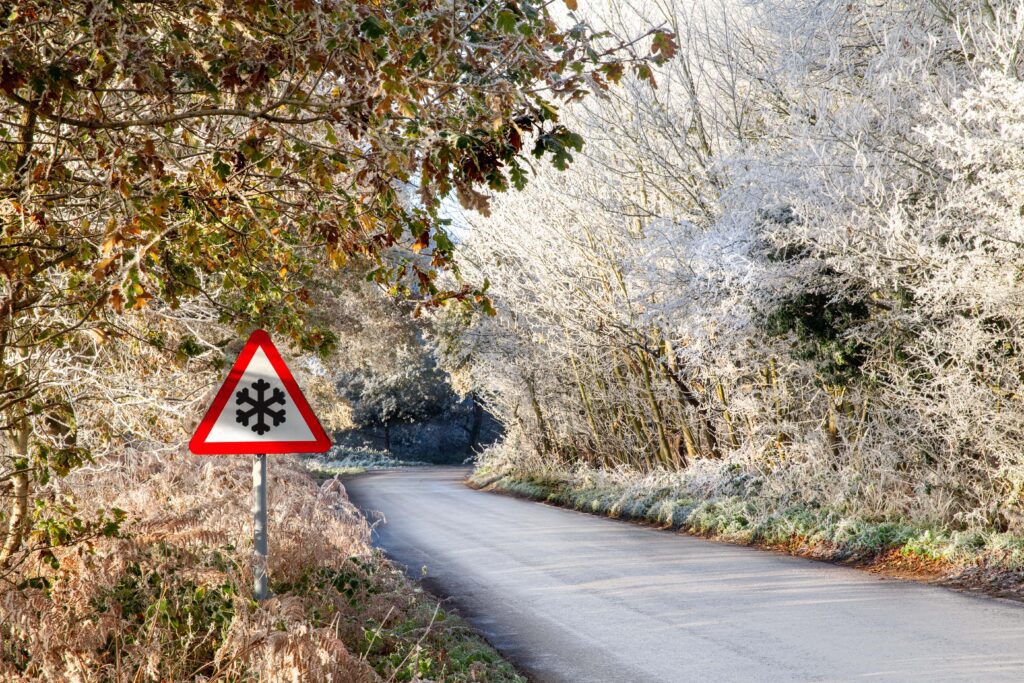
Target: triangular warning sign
[[259, 409]]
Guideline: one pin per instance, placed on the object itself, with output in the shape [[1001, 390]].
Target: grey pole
[[259, 526]]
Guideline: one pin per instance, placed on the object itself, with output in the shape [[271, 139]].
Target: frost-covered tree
[[799, 254]]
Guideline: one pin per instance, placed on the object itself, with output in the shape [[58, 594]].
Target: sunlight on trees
[[795, 264], [175, 174]]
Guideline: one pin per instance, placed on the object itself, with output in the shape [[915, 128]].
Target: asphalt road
[[573, 597]]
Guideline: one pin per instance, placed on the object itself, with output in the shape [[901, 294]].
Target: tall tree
[[161, 153]]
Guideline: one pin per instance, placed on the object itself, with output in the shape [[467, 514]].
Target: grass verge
[[340, 461], [400, 630], [988, 561]]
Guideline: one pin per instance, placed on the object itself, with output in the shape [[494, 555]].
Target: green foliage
[[189, 347], [414, 640], [558, 143], [193, 619], [430, 644], [353, 580], [819, 324], [818, 321]]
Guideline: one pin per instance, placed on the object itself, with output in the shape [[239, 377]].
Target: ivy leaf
[[372, 29], [506, 21]]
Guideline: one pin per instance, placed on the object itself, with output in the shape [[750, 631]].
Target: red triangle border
[[258, 339]]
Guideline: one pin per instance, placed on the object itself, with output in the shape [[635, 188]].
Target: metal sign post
[[258, 410], [259, 526]]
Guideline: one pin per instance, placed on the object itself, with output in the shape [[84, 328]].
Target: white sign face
[[259, 409], [259, 401]]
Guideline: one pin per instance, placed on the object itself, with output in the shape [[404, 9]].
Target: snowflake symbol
[[260, 407]]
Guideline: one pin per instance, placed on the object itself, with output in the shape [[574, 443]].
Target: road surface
[[573, 597]]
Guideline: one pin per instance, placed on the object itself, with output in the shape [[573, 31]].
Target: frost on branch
[[796, 264]]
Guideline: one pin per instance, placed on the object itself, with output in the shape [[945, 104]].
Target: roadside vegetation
[[778, 299], [172, 176], [973, 558], [342, 460], [170, 596]]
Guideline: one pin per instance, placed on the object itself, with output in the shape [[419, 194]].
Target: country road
[[573, 597]]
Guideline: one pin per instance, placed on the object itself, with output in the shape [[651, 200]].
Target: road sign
[[259, 409]]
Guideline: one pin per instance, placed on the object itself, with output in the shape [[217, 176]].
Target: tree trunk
[[545, 441], [836, 404], [688, 403], [833, 429], [726, 415], [689, 442], [18, 523], [591, 420], [630, 419], [478, 420], [664, 449]]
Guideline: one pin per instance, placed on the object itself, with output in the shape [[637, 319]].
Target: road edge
[[981, 581]]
